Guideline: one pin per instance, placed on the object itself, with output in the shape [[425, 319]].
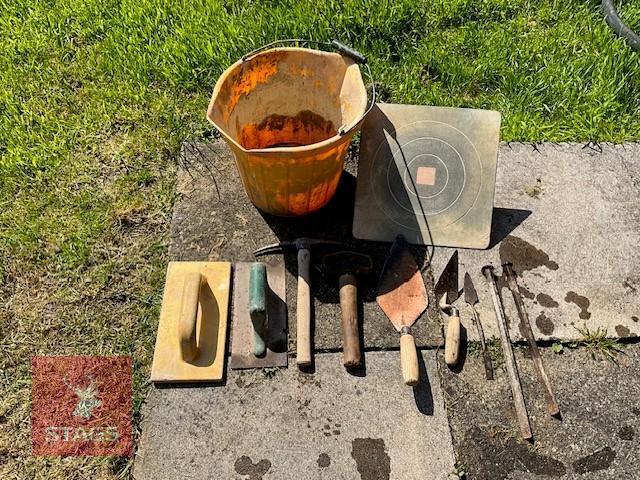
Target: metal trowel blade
[[447, 286], [402, 295]]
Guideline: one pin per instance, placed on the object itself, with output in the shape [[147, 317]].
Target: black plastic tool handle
[[348, 51]]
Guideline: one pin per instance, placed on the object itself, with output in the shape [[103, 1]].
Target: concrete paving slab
[[598, 437], [288, 425], [213, 219], [568, 217]]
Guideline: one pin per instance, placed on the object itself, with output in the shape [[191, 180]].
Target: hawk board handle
[[188, 316]]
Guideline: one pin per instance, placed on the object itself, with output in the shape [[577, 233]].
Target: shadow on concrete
[[504, 221], [334, 222], [422, 391]]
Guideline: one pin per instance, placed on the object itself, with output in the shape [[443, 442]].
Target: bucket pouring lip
[[344, 131]]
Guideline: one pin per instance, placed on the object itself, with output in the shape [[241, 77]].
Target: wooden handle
[[258, 306], [509, 358], [188, 315], [349, 310], [452, 341], [409, 360], [303, 341]]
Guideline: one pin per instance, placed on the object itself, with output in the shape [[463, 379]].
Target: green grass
[[96, 97], [596, 342]]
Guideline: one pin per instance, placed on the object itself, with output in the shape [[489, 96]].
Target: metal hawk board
[[427, 173]]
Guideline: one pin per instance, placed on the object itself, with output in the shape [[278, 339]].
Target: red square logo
[[81, 405]]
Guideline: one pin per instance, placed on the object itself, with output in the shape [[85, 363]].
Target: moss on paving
[[96, 97]]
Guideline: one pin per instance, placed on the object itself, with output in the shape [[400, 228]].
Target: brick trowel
[[402, 296], [446, 291]]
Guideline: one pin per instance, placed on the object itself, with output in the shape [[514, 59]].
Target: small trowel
[[447, 292], [402, 296], [471, 297]]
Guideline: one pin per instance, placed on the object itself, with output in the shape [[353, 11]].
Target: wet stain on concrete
[[546, 301], [635, 319], [245, 466], [545, 324], [324, 460], [523, 255], [622, 331], [372, 460], [582, 303], [627, 433], [526, 293], [493, 457], [596, 461], [328, 430]]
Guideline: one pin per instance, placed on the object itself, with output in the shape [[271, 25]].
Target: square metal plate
[[427, 173]]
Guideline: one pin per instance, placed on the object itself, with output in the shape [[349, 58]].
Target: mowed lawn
[[97, 96]]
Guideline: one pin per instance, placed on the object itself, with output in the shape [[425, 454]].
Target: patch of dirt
[[596, 461], [626, 433], [371, 458], [497, 456]]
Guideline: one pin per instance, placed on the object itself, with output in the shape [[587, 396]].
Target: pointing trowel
[[447, 292], [471, 297], [402, 296]]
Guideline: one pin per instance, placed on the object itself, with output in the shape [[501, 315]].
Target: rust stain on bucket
[[248, 76], [305, 128]]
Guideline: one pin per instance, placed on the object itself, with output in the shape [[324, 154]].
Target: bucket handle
[[343, 49]]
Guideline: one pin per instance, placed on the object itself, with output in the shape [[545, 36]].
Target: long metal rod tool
[[509, 358], [525, 328]]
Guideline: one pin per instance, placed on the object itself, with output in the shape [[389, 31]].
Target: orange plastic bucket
[[288, 115]]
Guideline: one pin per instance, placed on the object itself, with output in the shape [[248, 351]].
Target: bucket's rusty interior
[[288, 97], [305, 128]]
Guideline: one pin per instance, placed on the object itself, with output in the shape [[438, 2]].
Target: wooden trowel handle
[[452, 340], [303, 327], [349, 312], [409, 360], [189, 315]]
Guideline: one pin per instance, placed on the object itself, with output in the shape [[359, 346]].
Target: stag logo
[[87, 398]]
